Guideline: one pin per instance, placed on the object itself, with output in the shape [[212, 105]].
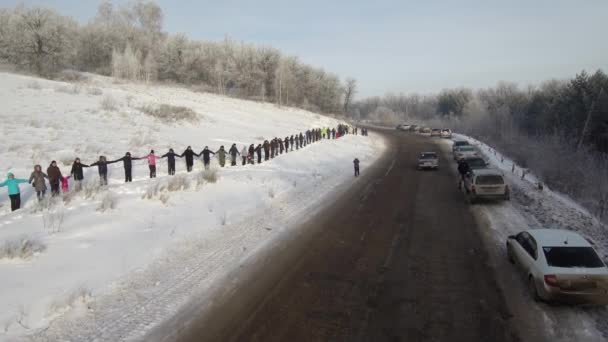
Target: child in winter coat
[[152, 163], [65, 187], [13, 190]]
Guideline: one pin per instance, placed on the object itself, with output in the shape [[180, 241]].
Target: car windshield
[[428, 156], [572, 257], [466, 148], [489, 180], [476, 163]]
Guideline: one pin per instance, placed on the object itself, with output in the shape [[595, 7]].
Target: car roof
[[460, 141], [558, 237], [488, 172]]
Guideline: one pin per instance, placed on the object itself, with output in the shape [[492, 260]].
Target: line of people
[[270, 148]]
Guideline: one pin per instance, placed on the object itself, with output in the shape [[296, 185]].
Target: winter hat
[[10, 175]]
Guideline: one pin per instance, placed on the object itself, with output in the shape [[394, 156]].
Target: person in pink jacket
[[65, 187], [152, 163]]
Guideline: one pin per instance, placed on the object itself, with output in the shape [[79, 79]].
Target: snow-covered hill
[[111, 262]]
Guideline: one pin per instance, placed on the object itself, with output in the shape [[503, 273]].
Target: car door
[[521, 251], [529, 256]]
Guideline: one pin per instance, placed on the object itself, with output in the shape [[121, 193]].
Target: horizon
[[446, 46]]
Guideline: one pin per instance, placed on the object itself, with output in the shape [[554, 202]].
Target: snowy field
[[532, 208], [108, 264]]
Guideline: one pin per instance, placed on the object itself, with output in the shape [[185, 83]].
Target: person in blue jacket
[[13, 190]]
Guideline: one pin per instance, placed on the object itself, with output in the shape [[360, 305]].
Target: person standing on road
[[37, 180], [127, 162], [221, 156], [189, 154], [54, 178], [14, 194], [206, 154], [78, 173], [266, 150], [171, 161], [356, 164], [463, 169]]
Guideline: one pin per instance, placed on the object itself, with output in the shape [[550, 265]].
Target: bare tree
[[349, 93]]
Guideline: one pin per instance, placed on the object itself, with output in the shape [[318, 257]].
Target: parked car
[[414, 128], [465, 152], [446, 133], [428, 160], [403, 127], [426, 131], [486, 184], [560, 266], [459, 143], [476, 163], [435, 132]]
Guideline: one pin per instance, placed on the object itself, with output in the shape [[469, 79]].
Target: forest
[[128, 42], [558, 129]]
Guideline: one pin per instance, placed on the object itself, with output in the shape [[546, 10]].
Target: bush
[[53, 221], [108, 202], [108, 103], [169, 113], [21, 248], [178, 183], [34, 85], [207, 176], [94, 91], [71, 76], [68, 89]]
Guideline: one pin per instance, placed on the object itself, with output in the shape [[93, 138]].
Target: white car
[[446, 133], [465, 151], [428, 160], [426, 131], [486, 184], [559, 266]]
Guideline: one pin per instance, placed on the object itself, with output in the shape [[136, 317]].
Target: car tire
[[532, 289]]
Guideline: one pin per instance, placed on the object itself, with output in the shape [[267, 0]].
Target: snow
[[119, 260], [531, 208]]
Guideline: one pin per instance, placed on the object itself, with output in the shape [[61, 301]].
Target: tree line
[[558, 129], [129, 42]]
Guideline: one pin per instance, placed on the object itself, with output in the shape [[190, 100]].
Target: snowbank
[[110, 263]]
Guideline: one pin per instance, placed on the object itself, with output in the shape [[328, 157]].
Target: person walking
[[127, 162], [171, 161], [356, 164], [14, 193], [78, 173], [258, 150], [221, 155], [463, 169], [189, 154], [244, 154], [54, 178], [37, 180], [206, 154], [102, 169], [266, 150]]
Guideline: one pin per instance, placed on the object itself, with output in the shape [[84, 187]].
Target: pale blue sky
[[402, 46]]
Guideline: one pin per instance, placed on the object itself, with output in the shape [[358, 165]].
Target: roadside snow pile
[[108, 263]]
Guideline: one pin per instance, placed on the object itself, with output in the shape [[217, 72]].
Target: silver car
[[428, 160], [559, 266], [486, 184]]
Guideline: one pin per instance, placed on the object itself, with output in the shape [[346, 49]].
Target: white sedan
[[560, 266]]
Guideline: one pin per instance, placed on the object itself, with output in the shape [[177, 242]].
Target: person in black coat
[[250, 155], [189, 154], [301, 140], [273, 147], [102, 168], [291, 142], [206, 154], [258, 150], [78, 173], [266, 150], [127, 162], [233, 151], [171, 160], [286, 144]]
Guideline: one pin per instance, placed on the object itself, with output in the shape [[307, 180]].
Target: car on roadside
[[465, 152], [559, 266], [414, 128], [426, 131], [459, 143], [475, 163], [486, 184], [435, 132], [402, 127], [446, 133], [428, 160]]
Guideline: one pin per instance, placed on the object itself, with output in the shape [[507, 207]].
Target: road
[[399, 257]]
